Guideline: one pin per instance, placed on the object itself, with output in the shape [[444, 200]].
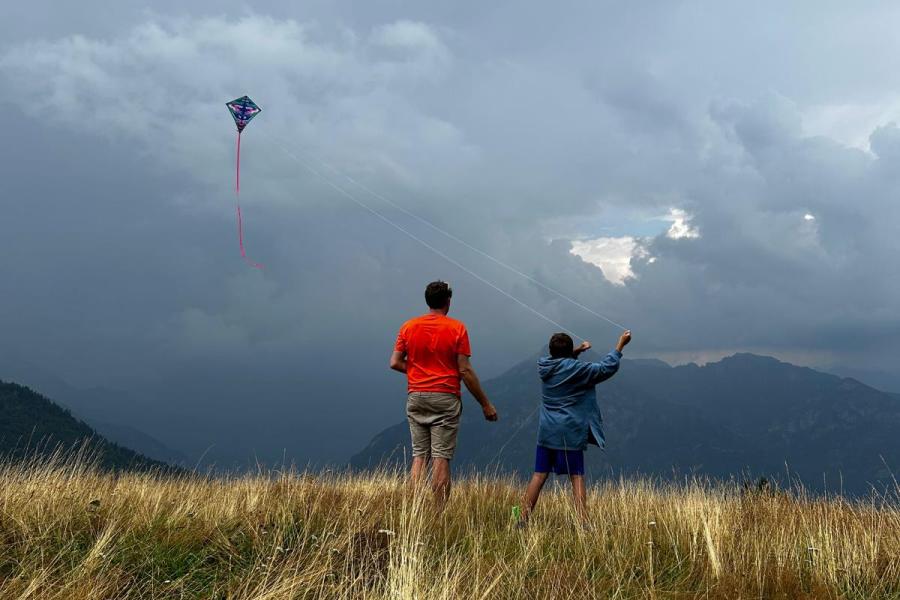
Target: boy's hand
[[490, 413], [584, 347], [623, 340]]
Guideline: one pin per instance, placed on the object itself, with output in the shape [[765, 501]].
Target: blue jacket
[[570, 419]]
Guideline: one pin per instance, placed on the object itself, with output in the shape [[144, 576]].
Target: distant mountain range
[[31, 425], [745, 416]]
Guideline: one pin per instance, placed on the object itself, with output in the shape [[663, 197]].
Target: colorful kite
[[243, 110]]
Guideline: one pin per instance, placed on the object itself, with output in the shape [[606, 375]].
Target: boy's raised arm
[[623, 340], [608, 367]]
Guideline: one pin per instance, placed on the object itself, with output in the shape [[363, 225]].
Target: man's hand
[[467, 374], [623, 340], [584, 347]]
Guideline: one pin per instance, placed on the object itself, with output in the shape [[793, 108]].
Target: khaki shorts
[[433, 423]]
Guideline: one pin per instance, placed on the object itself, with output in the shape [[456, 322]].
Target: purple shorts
[[561, 462]]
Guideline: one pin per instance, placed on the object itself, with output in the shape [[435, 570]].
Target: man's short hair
[[438, 294], [561, 346]]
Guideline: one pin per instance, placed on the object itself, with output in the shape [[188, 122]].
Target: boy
[[570, 419]]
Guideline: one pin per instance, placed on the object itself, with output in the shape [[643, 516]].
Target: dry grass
[[69, 532]]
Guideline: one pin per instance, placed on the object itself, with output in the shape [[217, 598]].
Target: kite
[[243, 110]]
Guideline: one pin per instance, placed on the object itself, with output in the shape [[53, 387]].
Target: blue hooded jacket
[[570, 419]]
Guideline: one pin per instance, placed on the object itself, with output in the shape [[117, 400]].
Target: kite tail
[[237, 192], [240, 221]]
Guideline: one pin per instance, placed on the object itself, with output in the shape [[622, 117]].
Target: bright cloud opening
[[612, 254]]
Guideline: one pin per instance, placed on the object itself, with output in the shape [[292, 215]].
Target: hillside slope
[[32, 425], [112, 413]]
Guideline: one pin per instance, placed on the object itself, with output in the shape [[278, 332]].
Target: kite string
[[516, 432], [416, 238], [462, 242]]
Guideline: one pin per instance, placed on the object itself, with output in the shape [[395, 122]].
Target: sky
[[718, 177]]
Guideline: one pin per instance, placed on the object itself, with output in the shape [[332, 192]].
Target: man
[[433, 350], [570, 419]]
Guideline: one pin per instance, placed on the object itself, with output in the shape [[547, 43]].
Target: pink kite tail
[[241, 240], [237, 192]]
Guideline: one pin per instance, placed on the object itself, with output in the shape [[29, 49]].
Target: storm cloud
[[716, 178]]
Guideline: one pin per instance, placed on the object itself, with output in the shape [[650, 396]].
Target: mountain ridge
[[746, 415]]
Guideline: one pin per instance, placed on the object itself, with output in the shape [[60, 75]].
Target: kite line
[[381, 216], [464, 243], [243, 110], [443, 232]]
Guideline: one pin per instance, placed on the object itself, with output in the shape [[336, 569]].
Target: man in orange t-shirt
[[433, 350]]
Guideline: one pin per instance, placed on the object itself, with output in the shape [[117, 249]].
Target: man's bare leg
[[532, 492], [580, 495], [419, 471], [440, 480]]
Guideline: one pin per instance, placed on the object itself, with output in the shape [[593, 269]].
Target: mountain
[[882, 380], [111, 413], [31, 424], [744, 416]]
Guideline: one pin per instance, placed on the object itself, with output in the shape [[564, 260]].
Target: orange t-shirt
[[431, 344]]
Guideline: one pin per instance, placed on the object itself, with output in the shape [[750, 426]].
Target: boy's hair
[[438, 294], [561, 346]]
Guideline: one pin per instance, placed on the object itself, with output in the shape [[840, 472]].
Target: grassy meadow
[[70, 532]]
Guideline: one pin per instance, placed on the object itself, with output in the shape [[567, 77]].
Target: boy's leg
[[543, 464], [580, 494], [532, 492]]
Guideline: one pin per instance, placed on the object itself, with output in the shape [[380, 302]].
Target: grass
[[69, 532]]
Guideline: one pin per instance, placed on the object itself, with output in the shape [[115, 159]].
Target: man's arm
[[467, 374], [398, 361]]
